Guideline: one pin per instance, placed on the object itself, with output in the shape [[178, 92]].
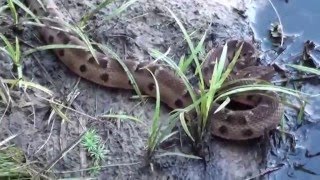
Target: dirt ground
[[143, 26]]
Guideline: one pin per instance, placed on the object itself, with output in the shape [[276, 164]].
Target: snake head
[[246, 58]]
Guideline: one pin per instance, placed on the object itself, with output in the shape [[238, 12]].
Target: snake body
[[108, 72]]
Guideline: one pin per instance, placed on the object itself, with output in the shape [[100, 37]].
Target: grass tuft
[[93, 144], [12, 165]]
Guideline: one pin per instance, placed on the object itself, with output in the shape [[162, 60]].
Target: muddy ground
[[144, 25]]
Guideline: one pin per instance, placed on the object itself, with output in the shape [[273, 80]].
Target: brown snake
[[263, 115]]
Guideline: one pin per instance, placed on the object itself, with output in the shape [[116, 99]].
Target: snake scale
[[233, 124]]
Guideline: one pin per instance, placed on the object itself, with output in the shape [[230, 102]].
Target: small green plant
[[11, 164], [13, 50], [202, 101], [12, 161], [92, 143]]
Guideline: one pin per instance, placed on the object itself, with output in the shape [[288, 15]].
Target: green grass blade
[[301, 112], [5, 141], [39, 24], [231, 65], [117, 58], [173, 119], [29, 84], [305, 69], [198, 49], [63, 116], [247, 88], [215, 79], [10, 49], [184, 125], [85, 39], [3, 8], [178, 154], [154, 136], [190, 44], [17, 51], [27, 10], [18, 60], [13, 11], [167, 136], [156, 54], [223, 105]]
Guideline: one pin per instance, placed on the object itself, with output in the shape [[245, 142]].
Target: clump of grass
[[12, 165], [13, 49], [202, 101], [12, 161], [96, 149]]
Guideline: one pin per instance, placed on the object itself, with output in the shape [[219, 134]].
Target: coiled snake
[[263, 115]]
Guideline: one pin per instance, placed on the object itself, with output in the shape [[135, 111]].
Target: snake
[[262, 112]]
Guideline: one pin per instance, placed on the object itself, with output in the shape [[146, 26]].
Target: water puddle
[[298, 155]]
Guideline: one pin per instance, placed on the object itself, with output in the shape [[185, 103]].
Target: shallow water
[[300, 20]]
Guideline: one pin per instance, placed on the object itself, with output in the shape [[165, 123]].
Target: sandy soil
[[144, 25]]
